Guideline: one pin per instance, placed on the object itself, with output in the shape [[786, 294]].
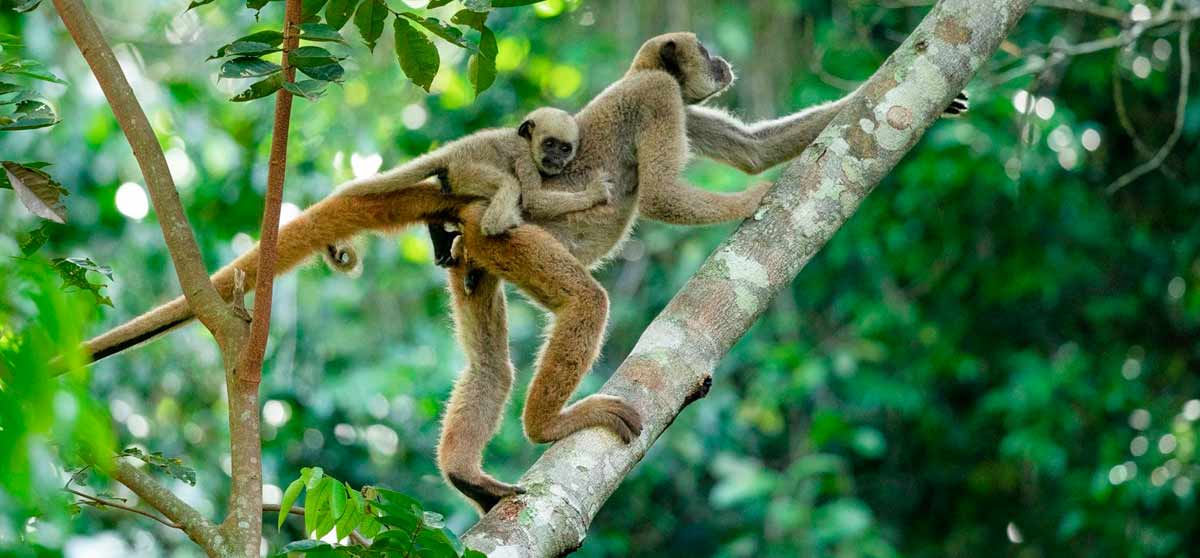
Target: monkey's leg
[[535, 261], [481, 392]]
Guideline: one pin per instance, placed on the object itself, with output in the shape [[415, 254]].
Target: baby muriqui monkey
[[505, 165]]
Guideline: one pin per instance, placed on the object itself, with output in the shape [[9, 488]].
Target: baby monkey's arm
[[546, 204]]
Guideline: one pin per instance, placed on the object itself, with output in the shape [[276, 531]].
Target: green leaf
[[311, 56], [320, 32], [418, 57], [29, 243], [472, 553], [248, 66], [509, 3], [198, 3], [369, 527], [172, 466], [39, 193], [337, 500], [30, 114], [304, 547], [338, 12], [260, 89], [481, 70], [313, 476], [352, 516], [436, 541], [472, 19], [312, 505], [73, 272], [29, 68], [436, 4], [328, 72], [244, 48], [257, 5], [310, 8], [369, 20], [289, 498], [24, 6], [266, 36], [451, 34]]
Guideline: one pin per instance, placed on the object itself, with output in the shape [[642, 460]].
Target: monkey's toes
[[484, 490], [620, 417]]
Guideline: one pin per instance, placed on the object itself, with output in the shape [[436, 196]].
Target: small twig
[[1185, 72], [102, 503], [1123, 117], [297, 510]]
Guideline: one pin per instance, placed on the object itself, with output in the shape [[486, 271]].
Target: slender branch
[[102, 503], [244, 523], [202, 531], [250, 364], [672, 363], [203, 298], [1185, 72], [355, 536]]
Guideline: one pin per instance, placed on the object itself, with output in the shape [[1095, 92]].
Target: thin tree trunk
[[671, 365]]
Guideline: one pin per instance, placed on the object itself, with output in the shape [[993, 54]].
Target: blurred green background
[[993, 357]]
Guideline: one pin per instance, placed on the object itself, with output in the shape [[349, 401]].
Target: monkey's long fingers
[[958, 107]]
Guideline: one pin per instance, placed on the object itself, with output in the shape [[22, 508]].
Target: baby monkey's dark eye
[[565, 148], [548, 144]]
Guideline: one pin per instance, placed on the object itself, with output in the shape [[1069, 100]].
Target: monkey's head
[[700, 74], [553, 138]]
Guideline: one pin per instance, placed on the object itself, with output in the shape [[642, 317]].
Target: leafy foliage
[[397, 524], [73, 272], [172, 466]]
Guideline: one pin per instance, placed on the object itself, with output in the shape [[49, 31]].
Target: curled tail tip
[[343, 258]]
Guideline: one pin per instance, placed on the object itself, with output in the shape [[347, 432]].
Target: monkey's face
[[700, 74], [553, 139]]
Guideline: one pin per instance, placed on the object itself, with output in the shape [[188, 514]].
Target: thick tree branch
[[185, 254], [673, 362]]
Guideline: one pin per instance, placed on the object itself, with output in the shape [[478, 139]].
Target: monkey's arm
[[547, 204], [662, 152], [504, 209], [754, 148]]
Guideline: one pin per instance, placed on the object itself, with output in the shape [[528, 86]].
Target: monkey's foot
[[483, 490], [605, 411], [614, 414]]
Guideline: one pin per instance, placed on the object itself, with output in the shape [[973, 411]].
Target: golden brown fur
[[638, 131]]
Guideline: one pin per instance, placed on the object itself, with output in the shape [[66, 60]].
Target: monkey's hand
[[601, 189], [497, 223], [958, 107]]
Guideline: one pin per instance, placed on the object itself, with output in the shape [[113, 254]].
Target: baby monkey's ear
[[526, 130]]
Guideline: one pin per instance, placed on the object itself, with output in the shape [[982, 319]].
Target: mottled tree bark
[[672, 364]]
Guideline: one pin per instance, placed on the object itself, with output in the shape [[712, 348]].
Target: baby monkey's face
[[553, 139]]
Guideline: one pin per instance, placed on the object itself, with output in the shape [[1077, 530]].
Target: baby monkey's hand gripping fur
[[503, 165]]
